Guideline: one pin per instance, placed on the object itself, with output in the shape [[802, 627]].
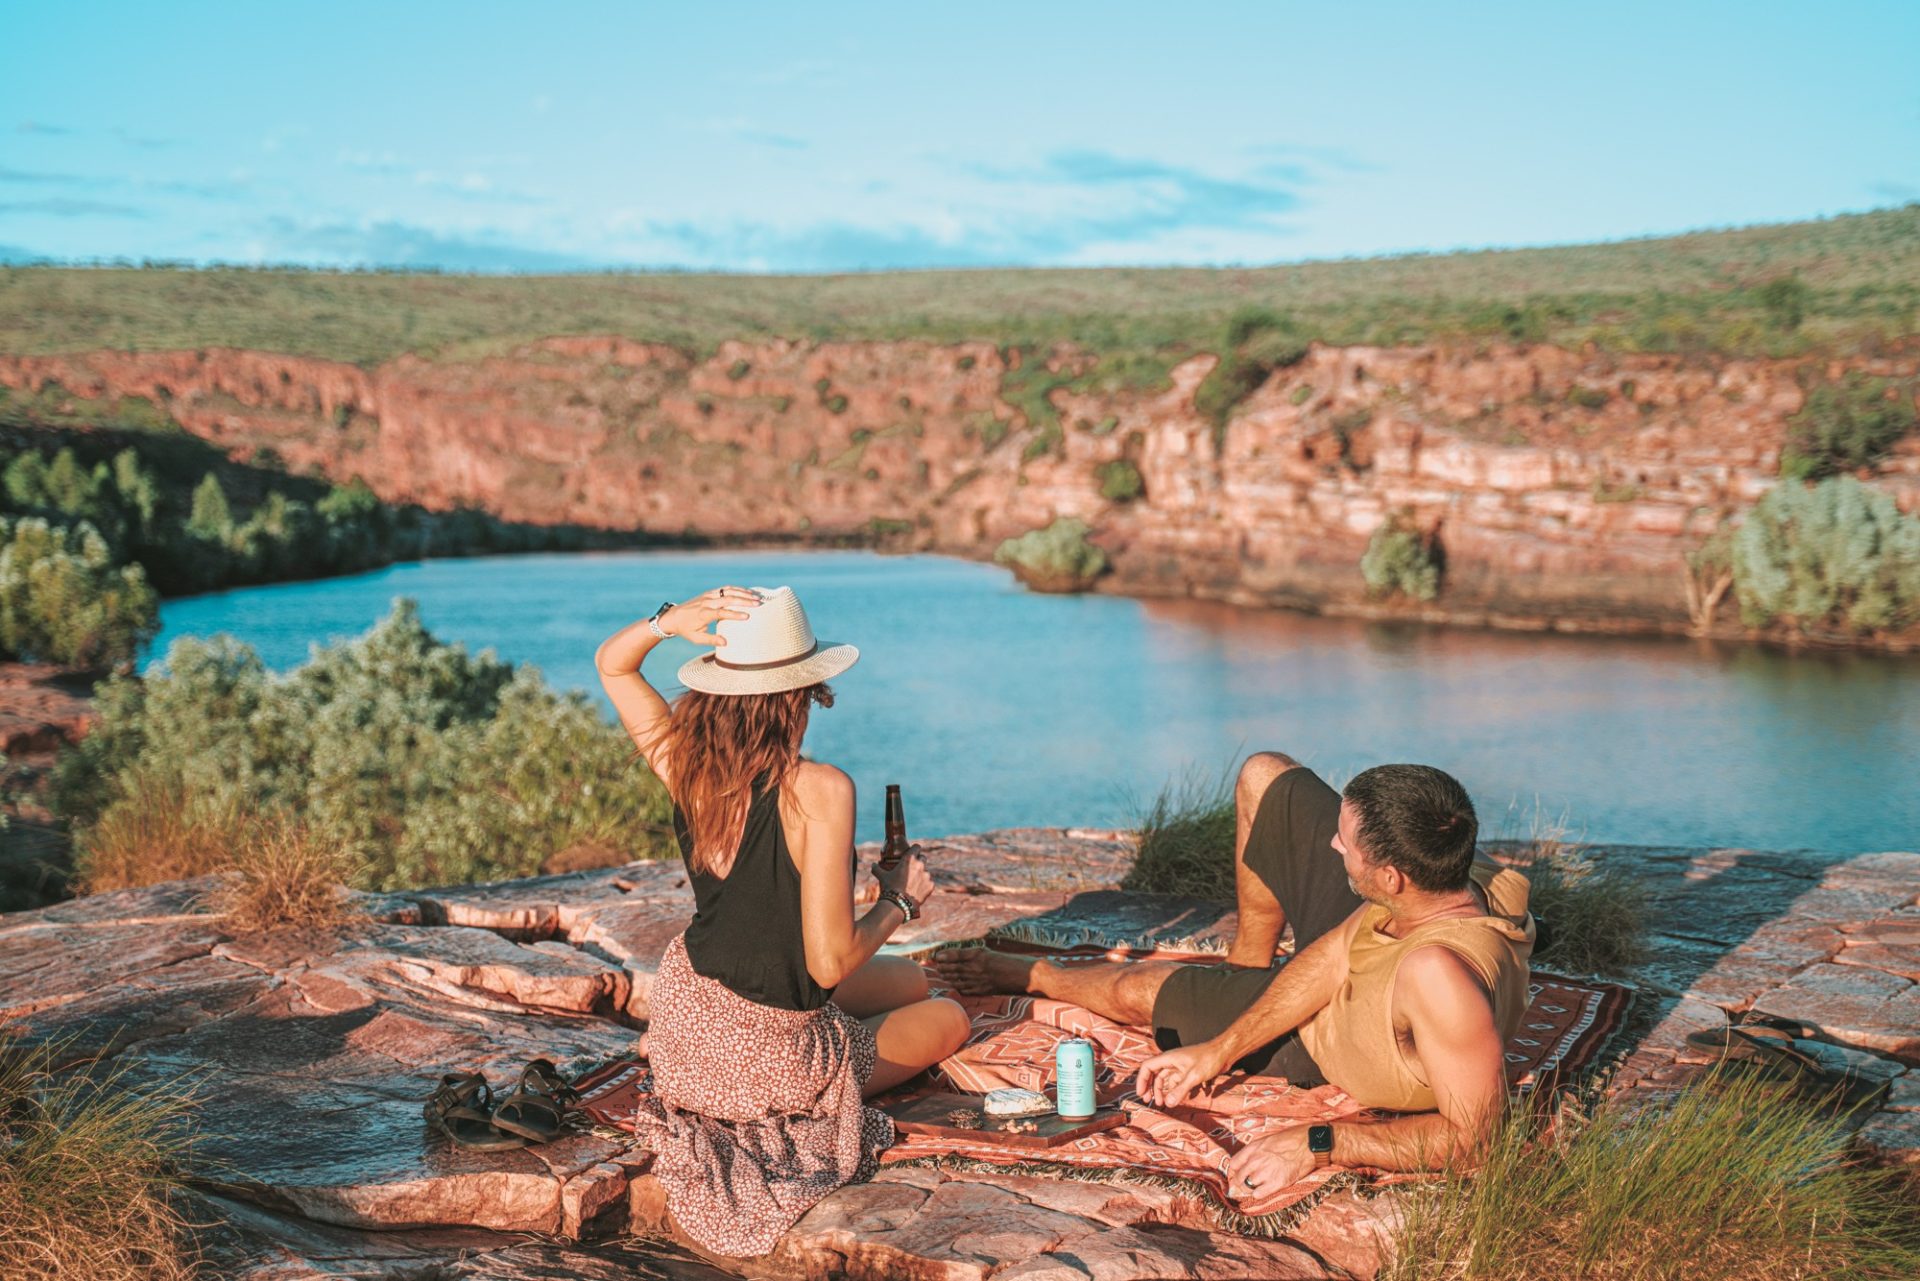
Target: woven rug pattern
[[1568, 1029]]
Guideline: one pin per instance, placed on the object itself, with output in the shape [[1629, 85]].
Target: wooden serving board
[[927, 1114]]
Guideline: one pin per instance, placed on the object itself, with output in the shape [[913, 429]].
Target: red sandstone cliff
[[1566, 486]]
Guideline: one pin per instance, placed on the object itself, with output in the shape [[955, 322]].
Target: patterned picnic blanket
[[1569, 1026]]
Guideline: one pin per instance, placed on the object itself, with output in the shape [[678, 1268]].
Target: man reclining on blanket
[[1409, 971]]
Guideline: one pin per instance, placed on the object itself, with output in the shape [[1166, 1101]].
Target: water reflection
[[995, 707]]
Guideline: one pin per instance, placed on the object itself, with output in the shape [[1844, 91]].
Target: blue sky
[[826, 137]]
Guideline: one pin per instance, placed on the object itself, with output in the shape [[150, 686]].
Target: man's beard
[[1362, 893]]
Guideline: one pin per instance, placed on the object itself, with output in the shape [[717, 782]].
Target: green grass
[[1184, 839], [1729, 1180], [1596, 917], [1859, 286]]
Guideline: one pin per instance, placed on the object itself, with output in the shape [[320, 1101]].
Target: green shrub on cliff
[[1834, 555], [1058, 558], [1256, 343], [1399, 560], [1846, 425], [64, 600], [429, 764], [1120, 480]]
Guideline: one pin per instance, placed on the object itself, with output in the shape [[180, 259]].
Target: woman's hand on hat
[[909, 876], [691, 618]]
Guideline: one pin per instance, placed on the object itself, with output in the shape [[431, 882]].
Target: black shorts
[[1290, 848]]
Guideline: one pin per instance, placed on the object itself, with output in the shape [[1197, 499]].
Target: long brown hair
[[718, 745]]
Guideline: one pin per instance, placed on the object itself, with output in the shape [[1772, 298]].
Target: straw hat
[[772, 649]]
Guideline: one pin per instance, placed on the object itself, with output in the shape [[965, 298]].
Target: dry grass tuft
[[89, 1176], [1184, 839], [284, 875], [159, 834], [1729, 1180], [1596, 916], [275, 872]]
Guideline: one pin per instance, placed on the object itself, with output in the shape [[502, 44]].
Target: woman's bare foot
[[980, 971]]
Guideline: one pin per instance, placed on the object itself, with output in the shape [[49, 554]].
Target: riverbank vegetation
[[1059, 558], [1836, 556], [1840, 285], [1731, 1179], [106, 508], [91, 1174], [1400, 560], [425, 764], [1597, 918]]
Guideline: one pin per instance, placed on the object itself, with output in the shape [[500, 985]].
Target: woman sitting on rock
[[772, 1017]]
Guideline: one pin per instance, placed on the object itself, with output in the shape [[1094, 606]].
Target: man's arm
[[1450, 1015], [1300, 990]]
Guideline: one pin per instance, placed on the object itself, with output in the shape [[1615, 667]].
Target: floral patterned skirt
[[756, 1112]]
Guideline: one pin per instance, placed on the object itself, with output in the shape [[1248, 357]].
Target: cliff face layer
[[1565, 487]]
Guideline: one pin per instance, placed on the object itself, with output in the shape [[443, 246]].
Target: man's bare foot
[[980, 971]]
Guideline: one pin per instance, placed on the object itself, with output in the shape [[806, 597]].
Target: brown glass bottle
[[895, 848]]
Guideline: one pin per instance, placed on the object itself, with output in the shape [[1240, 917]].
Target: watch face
[[1319, 1138]]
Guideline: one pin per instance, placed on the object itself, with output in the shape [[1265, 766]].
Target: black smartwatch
[[1320, 1143]]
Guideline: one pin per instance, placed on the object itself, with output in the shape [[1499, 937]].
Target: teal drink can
[[1073, 1079]]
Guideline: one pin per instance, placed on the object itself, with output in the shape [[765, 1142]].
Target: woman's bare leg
[[1120, 990], [913, 1039], [889, 995], [883, 983]]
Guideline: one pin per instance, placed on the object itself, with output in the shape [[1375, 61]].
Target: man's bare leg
[[1260, 918], [1120, 990]]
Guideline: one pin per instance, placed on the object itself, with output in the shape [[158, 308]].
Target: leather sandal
[[458, 1108], [536, 1109]]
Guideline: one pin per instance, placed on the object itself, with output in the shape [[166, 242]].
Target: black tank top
[[746, 925]]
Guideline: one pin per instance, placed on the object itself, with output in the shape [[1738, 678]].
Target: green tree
[[64, 600], [26, 482], [139, 497], [210, 519], [1836, 554]]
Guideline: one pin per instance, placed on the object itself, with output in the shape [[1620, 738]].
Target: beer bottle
[[895, 848]]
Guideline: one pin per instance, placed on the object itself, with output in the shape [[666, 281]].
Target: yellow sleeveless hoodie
[[1352, 1039]]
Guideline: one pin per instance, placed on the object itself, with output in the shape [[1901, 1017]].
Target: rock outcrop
[[312, 1052], [1565, 487]]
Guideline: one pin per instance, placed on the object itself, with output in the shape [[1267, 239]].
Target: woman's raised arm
[[643, 713]]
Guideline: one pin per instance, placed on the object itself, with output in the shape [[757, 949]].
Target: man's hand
[[1267, 1165], [1166, 1079]]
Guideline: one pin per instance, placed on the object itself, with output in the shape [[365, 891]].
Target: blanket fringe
[[1273, 1226]]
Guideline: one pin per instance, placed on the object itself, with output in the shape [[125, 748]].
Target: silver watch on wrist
[[653, 623], [901, 901]]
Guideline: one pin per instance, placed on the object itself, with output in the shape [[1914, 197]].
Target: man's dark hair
[[1417, 819]]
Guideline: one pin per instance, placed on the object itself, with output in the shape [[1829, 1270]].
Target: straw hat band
[[767, 667], [773, 648]]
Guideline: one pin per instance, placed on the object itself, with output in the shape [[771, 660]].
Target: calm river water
[[994, 707]]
